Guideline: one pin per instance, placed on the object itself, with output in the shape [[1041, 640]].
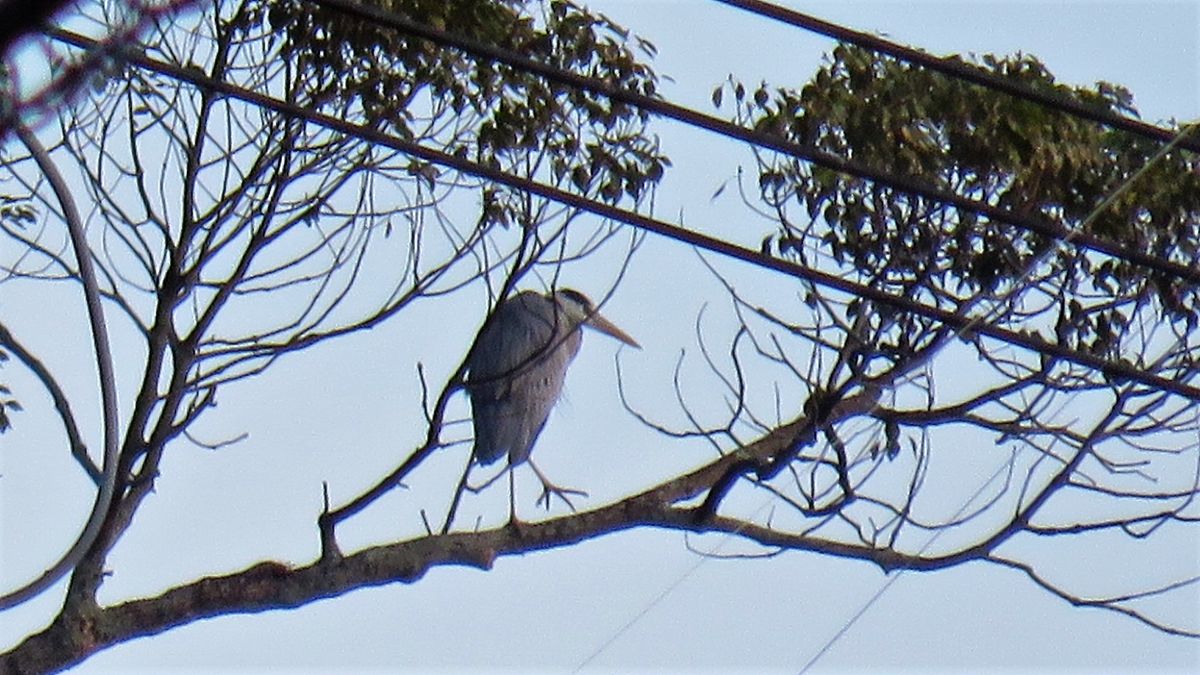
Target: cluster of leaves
[[16, 211], [987, 146], [8, 404], [505, 117]]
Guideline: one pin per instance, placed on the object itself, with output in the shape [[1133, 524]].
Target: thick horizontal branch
[[80, 631]]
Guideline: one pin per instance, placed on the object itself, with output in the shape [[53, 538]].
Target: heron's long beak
[[609, 328]]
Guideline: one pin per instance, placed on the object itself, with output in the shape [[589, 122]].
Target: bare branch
[[104, 371]]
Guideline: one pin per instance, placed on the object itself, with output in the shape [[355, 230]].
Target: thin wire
[[677, 232], [957, 69], [662, 595], [643, 222], [663, 108], [962, 328], [997, 307], [1125, 185], [883, 588]]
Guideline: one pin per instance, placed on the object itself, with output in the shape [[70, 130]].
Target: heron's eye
[[578, 298]]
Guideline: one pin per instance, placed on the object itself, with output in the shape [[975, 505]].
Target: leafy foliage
[[16, 212], [895, 411], [229, 236], [989, 147], [7, 405], [513, 118]]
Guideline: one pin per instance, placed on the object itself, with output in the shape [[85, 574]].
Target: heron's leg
[[512, 499], [549, 489], [486, 484]]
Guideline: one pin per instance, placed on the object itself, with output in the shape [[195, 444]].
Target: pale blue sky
[[555, 610]]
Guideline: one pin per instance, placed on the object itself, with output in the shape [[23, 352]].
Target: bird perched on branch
[[517, 368]]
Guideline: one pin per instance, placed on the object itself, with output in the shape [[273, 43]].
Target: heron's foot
[[549, 491]]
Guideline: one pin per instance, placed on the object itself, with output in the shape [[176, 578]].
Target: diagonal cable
[[663, 108], [958, 69], [999, 306], [670, 230]]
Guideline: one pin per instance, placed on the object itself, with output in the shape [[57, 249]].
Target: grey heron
[[517, 368]]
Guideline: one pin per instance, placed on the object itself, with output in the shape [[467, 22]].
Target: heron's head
[[579, 309]]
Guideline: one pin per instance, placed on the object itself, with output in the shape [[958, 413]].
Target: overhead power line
[[965, 324], [960, 70], [694, 118]]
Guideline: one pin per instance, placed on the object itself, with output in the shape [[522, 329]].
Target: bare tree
[[227, 235]]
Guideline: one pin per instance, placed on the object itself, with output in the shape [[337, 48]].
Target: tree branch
[[61, 404], [104, 368]]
